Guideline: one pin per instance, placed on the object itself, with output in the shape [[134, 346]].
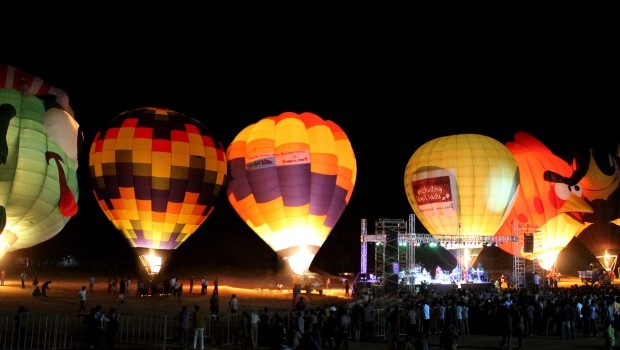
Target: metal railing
[[134, 331]]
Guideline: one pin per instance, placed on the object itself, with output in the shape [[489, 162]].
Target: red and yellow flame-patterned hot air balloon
[[291, 177], [461, 185], [546, 202], [39, 145], [155, 174]]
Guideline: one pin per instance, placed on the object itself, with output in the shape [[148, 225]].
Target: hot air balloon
[[546, 202], [461, 185], [598, 172], [291, 178], [38, 160], [156, 174]]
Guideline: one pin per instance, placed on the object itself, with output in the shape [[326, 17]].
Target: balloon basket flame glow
[[547, 260], [151, 263], [300, 261], [608, 261]]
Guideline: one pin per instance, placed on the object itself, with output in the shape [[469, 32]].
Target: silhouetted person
[[21, 321], [44, 288], [505, 324], [112, 329], [82, 297], [183, 326]]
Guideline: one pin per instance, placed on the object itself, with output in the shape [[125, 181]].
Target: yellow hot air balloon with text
[[461, 185], [291, 177]]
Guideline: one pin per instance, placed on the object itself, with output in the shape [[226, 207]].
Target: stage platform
[[446, 288]]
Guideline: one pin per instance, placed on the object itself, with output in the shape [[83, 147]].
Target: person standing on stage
[[438, 273]]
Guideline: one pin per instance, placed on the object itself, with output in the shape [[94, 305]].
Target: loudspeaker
[[528, 243]]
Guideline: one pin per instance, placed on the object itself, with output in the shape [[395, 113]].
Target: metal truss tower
[[518, 266], [394, 251]]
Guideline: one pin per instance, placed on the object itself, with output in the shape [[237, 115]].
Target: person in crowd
[[421, 342], [82, 298], [94, 326], [216, 287], [449, 336], [301, 304], [111, 329], [179, 292], [91, 283], [610, 335], [183, 327], [426, 318], [505, 326], [214, 304], [22, 278], [254, 321], [21, 324], [203, 285], [233, 305], [536, 282], [245, 331], [45, 287], [344, 327], [122, 289], [199, 319]]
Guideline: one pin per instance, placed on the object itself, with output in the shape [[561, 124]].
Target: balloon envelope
[[545, 204], [155, 174], [461, 184], [39, 144], [599, 171], [291, 177]]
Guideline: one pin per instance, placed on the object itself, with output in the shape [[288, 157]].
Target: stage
[[446, 288]]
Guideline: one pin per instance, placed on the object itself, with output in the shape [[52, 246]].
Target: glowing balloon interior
[[152, 263], [38, 160], [291, 177], [155, 174]]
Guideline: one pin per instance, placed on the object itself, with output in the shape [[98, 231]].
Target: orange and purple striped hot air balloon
[[155, 174], [291, 178]]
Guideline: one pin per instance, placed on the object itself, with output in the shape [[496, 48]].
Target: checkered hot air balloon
[[291, 178], [155, 174]]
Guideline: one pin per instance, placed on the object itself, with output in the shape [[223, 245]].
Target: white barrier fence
[[134, 331]]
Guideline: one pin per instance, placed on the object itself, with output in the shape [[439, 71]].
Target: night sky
[[388, 106]]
